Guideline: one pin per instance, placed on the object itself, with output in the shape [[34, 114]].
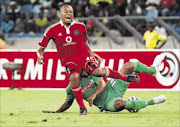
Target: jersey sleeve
[[144, 37], [84, 31], [161, 38], [70, 96], [96, 79], [44, 42]]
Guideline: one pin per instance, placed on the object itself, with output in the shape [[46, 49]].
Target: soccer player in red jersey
[[70, 38]]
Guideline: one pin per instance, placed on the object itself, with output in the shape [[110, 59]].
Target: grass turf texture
[[23, 108]]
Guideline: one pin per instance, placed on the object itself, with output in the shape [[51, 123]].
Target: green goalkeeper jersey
[[114, 88]]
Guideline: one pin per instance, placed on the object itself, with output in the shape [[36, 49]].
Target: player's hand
[[133, 78], [40, 60], [98, 58], [91, 99], [46, 111]]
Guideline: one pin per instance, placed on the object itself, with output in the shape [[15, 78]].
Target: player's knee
[[91, 67], [74, 77], [127, 68], [119, 105]]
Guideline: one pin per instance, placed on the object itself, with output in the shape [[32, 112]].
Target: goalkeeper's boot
[[132, 78], [83, 111], [156, 64], [159, 99]]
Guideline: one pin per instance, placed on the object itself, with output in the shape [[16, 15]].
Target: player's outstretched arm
[[40, 54], [160, 46], [63, 108], [162, 39], [101, 85], [98, 58]]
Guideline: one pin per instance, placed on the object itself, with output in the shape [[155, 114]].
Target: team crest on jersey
[[76, 32]]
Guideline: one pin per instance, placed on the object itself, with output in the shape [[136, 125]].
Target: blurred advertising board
[[52, 75]]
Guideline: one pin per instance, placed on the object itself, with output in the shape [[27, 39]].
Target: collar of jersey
[[152, 31], [72, 23]]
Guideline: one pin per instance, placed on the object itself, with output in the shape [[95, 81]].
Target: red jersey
[[70, 42]]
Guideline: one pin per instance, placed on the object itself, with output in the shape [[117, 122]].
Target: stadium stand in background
[[110, 23]]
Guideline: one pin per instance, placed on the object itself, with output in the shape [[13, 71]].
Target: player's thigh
[[73, 69], [119, 86]]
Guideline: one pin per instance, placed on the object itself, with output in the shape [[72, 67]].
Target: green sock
[[134, 105], [140, 67], [151, 102]]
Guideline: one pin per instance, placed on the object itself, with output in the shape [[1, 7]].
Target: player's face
[[66, 14], [150, 27]]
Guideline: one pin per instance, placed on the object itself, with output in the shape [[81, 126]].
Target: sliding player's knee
[[74, 78], [90, 67], [127, 68], [99, 72], [119, 105]]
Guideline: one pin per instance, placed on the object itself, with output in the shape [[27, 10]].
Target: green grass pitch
[[23, 108]]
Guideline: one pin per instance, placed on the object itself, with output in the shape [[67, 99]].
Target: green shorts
[[116, 90]]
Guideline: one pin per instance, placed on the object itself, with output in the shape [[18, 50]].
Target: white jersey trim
[[47, 30], [76, 89], [67, 28], [41, 46]]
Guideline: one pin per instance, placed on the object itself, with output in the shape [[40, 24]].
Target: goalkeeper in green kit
[[109, 96]]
